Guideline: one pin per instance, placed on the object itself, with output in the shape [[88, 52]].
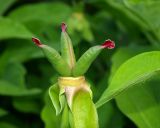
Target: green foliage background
[[25, 74]]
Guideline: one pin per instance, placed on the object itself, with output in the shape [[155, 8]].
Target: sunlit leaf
[[134, 71]]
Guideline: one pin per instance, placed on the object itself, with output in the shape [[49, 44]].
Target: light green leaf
[[47, 12], [65, 117], [84, 111], [140, 103], [134, 71], [13, 29], [58, 100]]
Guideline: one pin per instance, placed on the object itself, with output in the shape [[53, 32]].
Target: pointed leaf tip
[[36, 41], [63, 27], [108, 44]]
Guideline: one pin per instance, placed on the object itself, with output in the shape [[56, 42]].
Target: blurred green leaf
[[26, 105], [4, 57], [134, 71], [149, 13], [47, 12], [5, 4], [6, 125], [14, 74], [23, 52], [78, 23], [13, 29], [48, 114], [9, 89], [3, 112]]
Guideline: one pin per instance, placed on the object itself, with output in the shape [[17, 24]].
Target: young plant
[[71, 95]]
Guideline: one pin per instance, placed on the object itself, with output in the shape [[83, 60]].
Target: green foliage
[[141, 68], [84, 111], [13, 29], [127, 75]]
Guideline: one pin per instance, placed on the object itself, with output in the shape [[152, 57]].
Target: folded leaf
[[58, 100]]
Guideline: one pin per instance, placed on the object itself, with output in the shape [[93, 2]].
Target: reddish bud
[[108, 44], [36, 41], [63, 27]]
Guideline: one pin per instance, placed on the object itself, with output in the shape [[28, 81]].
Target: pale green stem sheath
[[79, 98]]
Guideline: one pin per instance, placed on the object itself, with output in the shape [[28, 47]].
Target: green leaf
[[48, 114], [47, 12], [26, 51], [84, 111], [150, 13], [58, 100], [4, 61], [140, 103], [13, 29], [134, 71], [14, 73], [3, 112], [65, 117], [4, 5], [9, 89], [7, 125], [26, 105]]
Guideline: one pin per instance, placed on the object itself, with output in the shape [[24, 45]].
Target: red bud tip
[[36, 41], [108, 44], [63, 27]]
